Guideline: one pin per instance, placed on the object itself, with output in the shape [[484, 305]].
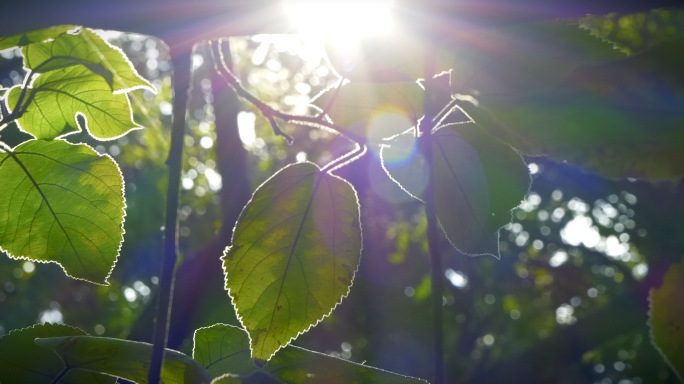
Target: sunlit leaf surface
[[62, 203], [294, 253], [478, 180], [223, 345], [33, 36], [666, 318], [22, 361], [620, 119], [90, 50], [59, 97], [123, 358]]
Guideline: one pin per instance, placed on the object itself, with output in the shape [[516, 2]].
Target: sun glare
[[340, 20]]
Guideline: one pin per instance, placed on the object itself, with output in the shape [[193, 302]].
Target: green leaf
[[294, 253], [22, 361], [666, 318], [227, 379], [478, 180], [62, 203], [223, 348], [524, 58], [123, 358], [86, 48], [620, 119], [60, 96], [298, 365], [224, 345], [23, 39], [520, 58], [376, 110]]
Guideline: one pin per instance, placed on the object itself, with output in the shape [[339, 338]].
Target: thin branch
[[181, 86], [20, 107], [347, 158], [272, 113], [434, 233]]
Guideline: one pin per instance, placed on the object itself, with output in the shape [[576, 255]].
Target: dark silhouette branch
[[181, 84], [271, 113]]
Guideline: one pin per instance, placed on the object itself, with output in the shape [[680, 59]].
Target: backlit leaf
[[59, 96], [524, 58], [294, 253], [123, 358], [227, 379], [22, 361], [621, 119], [666, 318], [478, 180], [513, 59], [298, 365], [223, 347], [376, 110], [26, 38], [86, 48], [62, 203]]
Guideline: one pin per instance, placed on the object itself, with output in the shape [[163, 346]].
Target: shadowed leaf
[[621, 119], [123, 358], [294, 253], [478, 181], [22, 361], [298, 365], [290, 365], [666, 318], [62, 203], [23, 39], [59, 96], [524, 58]]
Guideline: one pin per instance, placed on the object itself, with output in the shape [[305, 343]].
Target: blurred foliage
[[633, 33]]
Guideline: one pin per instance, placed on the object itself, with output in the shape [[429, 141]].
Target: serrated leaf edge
[[351, 283], [652, 336], [80, 128], [123, 230]]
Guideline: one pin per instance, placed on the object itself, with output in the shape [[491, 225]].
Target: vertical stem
[[432, 108], [181, 86], [436, 271]]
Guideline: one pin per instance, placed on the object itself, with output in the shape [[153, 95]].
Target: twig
[[272, 113], [424, 132], [181, 86]]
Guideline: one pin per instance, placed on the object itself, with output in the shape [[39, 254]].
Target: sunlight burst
[[348, 20]]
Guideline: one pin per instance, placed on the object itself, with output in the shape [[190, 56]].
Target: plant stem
[[181, 87], [433, 111], [436, 271]]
